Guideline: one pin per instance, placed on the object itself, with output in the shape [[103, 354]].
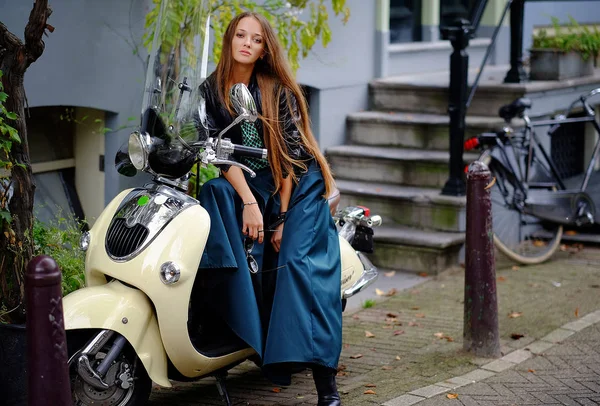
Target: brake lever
[[234, 163]]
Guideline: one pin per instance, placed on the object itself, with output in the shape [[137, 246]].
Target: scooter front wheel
[[128, 382]]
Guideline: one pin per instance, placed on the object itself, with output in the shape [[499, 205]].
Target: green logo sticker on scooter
[[143, 200]]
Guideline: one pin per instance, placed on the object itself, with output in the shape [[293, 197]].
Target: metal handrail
[[487, 54]]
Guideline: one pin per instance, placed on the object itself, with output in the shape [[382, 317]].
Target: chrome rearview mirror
[[243, 102]]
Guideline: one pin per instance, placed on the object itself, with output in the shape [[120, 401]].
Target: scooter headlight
[[169, 273], [84, 241], [138, 148]]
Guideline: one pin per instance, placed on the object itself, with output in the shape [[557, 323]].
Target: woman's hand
[[253, 222], [276, 237]]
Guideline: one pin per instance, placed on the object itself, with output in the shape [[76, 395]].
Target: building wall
[[89, 150], [340, 73], [88, 62]]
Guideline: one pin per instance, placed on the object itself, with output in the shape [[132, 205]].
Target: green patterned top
[[251, 138]]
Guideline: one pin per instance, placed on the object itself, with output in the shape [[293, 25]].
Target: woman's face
[[248, 42]]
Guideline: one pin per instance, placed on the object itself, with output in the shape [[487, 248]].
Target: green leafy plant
[[368, 303], [206, 173], [570, 38], [8, 136], [59, 239], [297, 35]]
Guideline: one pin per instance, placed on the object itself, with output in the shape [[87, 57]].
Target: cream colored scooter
[[129, 325]]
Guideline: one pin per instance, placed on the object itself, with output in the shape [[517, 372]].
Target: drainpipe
[[382, 37]]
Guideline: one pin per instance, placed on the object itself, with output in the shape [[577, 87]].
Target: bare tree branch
[[9, 42], [36, 27]]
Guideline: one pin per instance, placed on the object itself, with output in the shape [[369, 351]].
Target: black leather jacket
[[215, 117]]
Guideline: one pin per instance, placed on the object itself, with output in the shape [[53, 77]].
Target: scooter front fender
[[125, 310]]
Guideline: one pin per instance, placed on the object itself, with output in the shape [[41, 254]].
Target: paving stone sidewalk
[[413, 339], [568, 373]]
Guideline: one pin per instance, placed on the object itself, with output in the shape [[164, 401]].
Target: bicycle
[[531, 201]]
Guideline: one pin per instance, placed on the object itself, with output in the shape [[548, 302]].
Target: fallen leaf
[[390, 320], [341, 373], [563, 247], [370, 392], [577, 312], [413, 324], [501, 279], [531, 370], [370, 385], [424, 274], [514, 315], [379, 292], [392, 315], [387, 368], [515, 268], [299, 397], [595, 286], [439, 335], [368, 334], [391, 292], [355, 317], [398, 332], [534, 285], [374, 349], [570, 232], [539, 243], [449, 339], [516, 336], [341, 367], [415, 308], [356, 356], [452, 396], [420, 315], [346, 345], [398, 358], [390, 274], [276, 390]]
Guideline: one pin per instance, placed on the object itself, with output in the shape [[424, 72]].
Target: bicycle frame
[[547, 197]]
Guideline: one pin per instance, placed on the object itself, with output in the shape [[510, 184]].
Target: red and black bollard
[[481, 306], [46, 339]]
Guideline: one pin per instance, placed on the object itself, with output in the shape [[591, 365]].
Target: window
[[452, 10], [405, 21]]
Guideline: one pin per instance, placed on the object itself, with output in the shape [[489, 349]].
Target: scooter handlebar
[[242, 150]]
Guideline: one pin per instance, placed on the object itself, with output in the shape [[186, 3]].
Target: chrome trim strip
[[164, 204]]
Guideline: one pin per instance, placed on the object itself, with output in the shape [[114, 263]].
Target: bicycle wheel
[[523, 238]]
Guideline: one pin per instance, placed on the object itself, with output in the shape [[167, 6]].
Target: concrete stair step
[[411, 130], [398, 94], [406, 205], [400, 166], [416, 250]]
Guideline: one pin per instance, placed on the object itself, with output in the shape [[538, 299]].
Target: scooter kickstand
[[222, 388]]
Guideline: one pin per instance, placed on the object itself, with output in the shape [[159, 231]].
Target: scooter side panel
[[351, 266], [182, 242], [114, 306]]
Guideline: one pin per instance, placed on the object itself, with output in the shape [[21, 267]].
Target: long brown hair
[[273, 75]]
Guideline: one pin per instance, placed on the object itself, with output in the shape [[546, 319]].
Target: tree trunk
[[16, 192]]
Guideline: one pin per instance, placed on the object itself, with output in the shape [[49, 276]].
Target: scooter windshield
[[177, 66]]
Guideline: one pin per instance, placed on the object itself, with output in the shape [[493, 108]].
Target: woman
[[289, 311]]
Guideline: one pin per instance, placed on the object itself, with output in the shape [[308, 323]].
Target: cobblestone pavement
[[412, 339], [565, 374]]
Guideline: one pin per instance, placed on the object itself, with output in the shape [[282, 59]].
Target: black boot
[[326, 388]]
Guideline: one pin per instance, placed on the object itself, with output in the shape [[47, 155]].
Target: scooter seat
[[334, 200]]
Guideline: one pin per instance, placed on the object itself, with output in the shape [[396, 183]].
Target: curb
[[492, 368]]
